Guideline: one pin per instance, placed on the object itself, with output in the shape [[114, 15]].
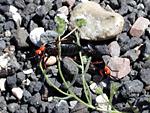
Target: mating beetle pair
[[72, 49]]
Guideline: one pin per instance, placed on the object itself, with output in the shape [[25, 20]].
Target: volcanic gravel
[[24, 72]]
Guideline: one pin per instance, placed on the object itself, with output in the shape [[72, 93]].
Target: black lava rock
[[58, 3], [20, 77], [126, 43], [77, 91], [62, 107], [41, 11], [4, 8], [51, 13], [37, 86], [102, 50], [35, 100], [26, 96], [147, 5], [32, 25], [70, 67], [132, 3], [50, 107], [55, 81], [133, 42], [133, 74], [12, 107], [28, 1], [123, 10], [2, 44], [43, 107], [132, 88], [3, 105], [30, 8], [24, 108], [143, 100], [1, 27], [9, 25], [79, 79], [146, 64], [2, 18], [141, 14], [138, 65], [132, 17], [132, 55], [52, 25], [114, 4], [123, 41], [13, 63], [127, 25], [8, 2], [32, 109], [25, 21], [31, 86], [11, 81], [145, 76], [146, 48], [37, 2], [20, 4], [80, 108]]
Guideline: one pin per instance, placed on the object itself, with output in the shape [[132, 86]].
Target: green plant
[[84, 66]]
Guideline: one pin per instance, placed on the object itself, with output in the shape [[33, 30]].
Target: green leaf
[[61, 25], [98, 90], [81, 22]]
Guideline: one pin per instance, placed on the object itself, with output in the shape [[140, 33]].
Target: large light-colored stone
[[120, 67], [100, 23]]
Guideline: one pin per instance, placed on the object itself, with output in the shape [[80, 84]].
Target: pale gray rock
[[2, 84], [120, 67], [21, 37], [35, 35], [102, 101], [114, 48], [18, 92], [100, 23]]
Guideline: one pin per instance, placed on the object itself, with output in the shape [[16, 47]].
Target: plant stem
[[63, 38], [85, 85], [50, 83]]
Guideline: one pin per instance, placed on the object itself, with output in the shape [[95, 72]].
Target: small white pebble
[[103, 84], [73, 104], [26, 82], [93, 87], [18, 92], [35, 35], [140, 6], [17, 18], [2, 84], [7, 33], [102, 101], [50, 99], [29, 71], [4, 60], [13, 9], [51, 60], [63, 10]]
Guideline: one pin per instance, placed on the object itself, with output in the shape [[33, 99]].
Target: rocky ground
[[117, 39]]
